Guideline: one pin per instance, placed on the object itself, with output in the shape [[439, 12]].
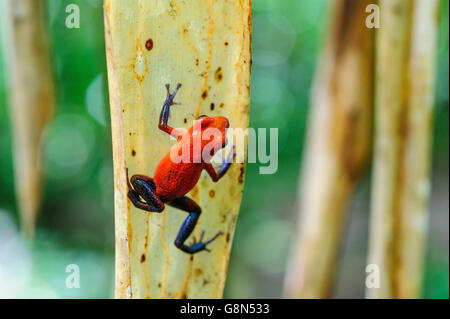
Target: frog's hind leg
[[188, 205], [142, 193]]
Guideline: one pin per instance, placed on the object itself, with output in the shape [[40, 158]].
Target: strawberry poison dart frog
[[173, 179]]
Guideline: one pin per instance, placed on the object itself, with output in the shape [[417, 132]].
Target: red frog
[[176, 174]]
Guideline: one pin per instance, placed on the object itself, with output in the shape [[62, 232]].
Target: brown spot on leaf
[[226, 43], [221, 105], [212, 193], [196, 62], [142, 258], [149, 44], [204, 94], [133, 153], [185, 120], [218, 75], [212, 106], [228, 237], [241, 175], [198, 272]]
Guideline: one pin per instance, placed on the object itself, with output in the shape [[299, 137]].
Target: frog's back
[[174, 180]]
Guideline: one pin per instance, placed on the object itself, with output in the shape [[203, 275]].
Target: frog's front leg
[[223, 168], [165, 112], [188, 205], [141, 186]]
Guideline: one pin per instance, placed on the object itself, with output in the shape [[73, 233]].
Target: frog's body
[[173, 179]]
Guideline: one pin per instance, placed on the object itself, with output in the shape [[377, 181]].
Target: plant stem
[[32, 91], [337, 149], [205, 45]]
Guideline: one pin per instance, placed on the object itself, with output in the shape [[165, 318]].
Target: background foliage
[[76, 225]]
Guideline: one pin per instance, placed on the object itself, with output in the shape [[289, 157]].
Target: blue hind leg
[[188, 205]]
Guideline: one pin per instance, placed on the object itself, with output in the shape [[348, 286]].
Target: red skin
[[173, 180]]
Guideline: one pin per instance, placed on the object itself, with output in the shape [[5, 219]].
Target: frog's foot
[[231, 154], [169, 99], [227, 160], [199, 246]]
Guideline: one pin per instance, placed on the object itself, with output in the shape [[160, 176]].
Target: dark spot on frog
[[228, 237], [149, 44], [204, 94], [212, 106], [142, 258], [133, 153], [212, 193]]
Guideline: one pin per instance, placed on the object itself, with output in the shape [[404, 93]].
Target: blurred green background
[[76, 225]]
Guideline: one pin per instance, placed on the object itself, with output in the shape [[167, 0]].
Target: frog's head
[[213, 132]]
